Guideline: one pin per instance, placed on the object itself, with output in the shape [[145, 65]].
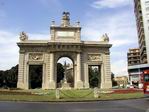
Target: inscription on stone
[[65, 34]]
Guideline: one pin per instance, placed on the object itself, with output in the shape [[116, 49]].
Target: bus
[[146, 82]]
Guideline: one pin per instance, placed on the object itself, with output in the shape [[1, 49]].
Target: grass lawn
[[65, 95]]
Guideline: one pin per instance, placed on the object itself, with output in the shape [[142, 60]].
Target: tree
[[60, 72], [1, 78], [11, 77], [35, 76], [8, 78], [114, 83], [94, 77]]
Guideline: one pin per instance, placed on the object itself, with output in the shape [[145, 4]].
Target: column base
[[106, 85], [65, 86], [45, 86], [22, 85], [86, 85], [52, 85], [79, 85]]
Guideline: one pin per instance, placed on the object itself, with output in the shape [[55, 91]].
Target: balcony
[[142, 50], [142, 44], [141, 35]]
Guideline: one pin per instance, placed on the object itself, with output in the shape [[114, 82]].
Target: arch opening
[[35, 76], [65, 72], [94, 76]]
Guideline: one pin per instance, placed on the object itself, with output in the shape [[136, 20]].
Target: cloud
[[119, 68], [7, 37], [39, 36], [119, 62], [121, 29], [9, 50], [99, 4], [122, 42], [50, 4], [65, 59]]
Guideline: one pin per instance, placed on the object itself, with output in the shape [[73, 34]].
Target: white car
[[129, 86]]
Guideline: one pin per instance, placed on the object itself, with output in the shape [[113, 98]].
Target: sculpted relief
[[36, 56], [23, 36], [94, 57]]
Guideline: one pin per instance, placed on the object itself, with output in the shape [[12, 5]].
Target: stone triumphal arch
[[65, 42]]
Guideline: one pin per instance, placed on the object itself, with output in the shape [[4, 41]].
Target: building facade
[[141, 9], [65, 42], [121, 81], [133, 57], [135, 68]]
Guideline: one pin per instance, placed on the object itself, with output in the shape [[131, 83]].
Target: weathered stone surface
[[57, 94], [96, 93], [65, 41]]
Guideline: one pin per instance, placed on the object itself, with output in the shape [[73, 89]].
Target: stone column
[[79, 83], [27, 77], [46, 68], [52, 83], [26, 72], [86, 76], [20, 83], [102, 76], [44, 77], [106, 69]]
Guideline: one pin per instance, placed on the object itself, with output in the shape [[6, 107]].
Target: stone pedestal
[[96, 93], [52, 85], [20, 85], [79, 85], [106, 85], [57, 94], [65, 86], [86, 85]]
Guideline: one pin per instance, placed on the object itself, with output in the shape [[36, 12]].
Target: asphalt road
[[139, 105]]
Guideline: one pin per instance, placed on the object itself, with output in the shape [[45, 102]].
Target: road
[[138, 105]]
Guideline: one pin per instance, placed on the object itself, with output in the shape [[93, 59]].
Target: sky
[[97, 17]]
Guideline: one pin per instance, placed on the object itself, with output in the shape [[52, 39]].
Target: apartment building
[[138, 59], [141, 10], [133, 57]]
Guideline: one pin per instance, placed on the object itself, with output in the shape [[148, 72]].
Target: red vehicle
[[146, 82]]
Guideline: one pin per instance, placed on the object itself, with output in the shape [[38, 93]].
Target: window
[[147, 15], [147, 2], [147, 9], [146, 77]]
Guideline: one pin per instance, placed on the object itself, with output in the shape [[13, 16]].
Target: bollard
[[57, 93], [96, 92]]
